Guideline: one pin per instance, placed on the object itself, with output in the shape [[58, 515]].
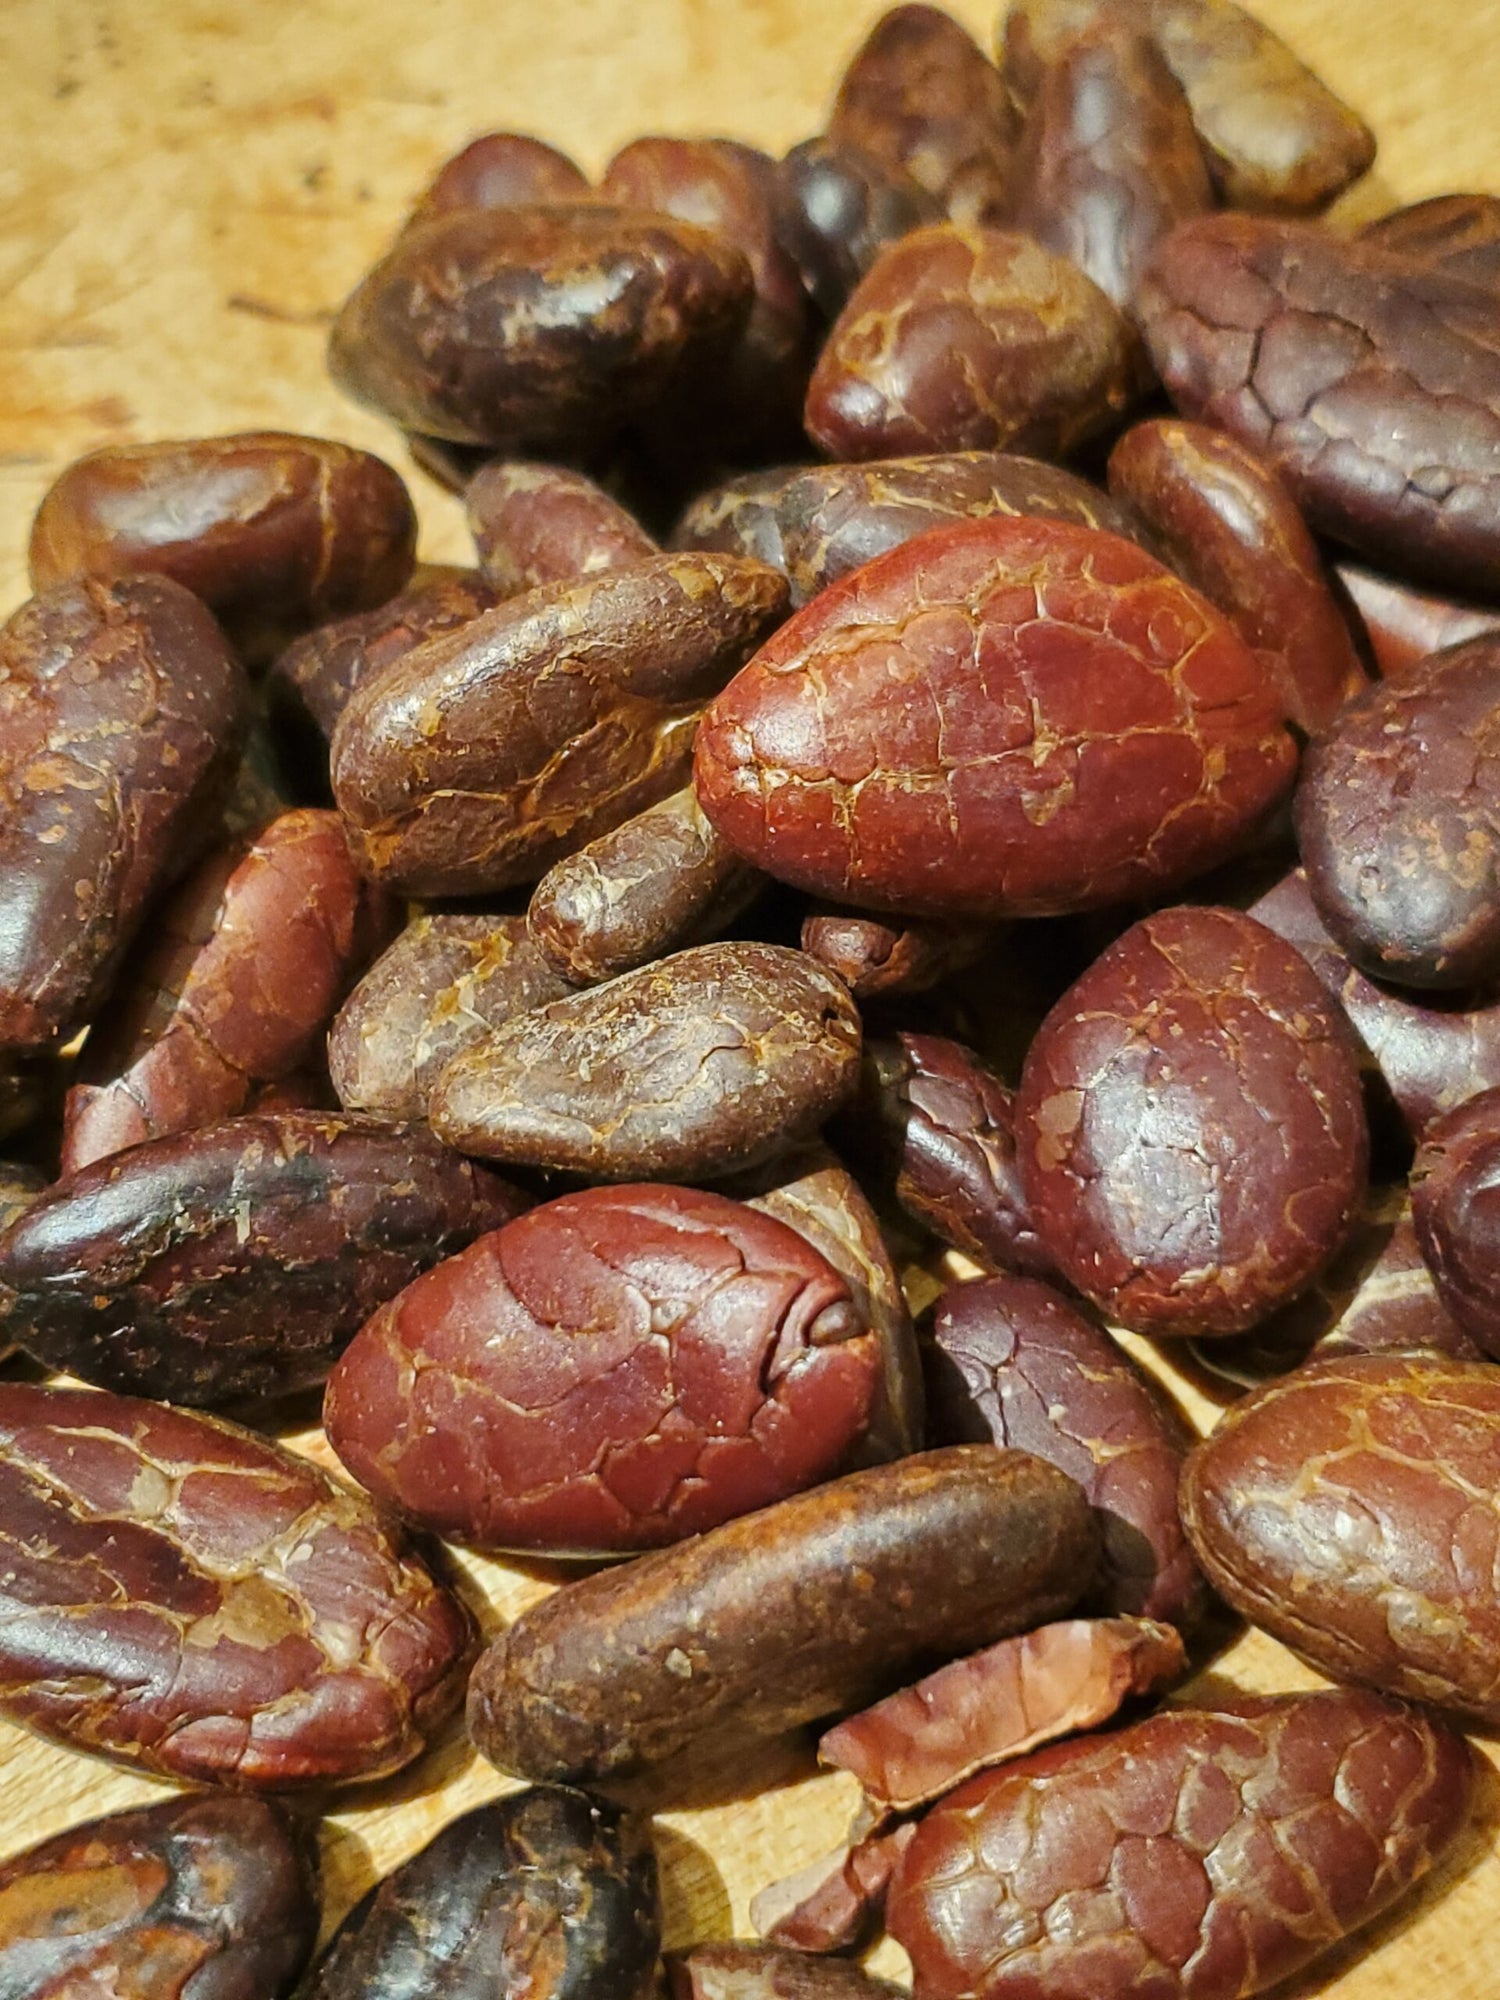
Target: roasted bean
[[1403, 625], [875, 957], [833, 1902], [184, 1595], [1397, 1308], [759, 1972], [239, 1259], [1456, 233], [535, 524], [702, 1064], [1194, 1856], [1454, 1208], [192, 1899], [503, 170], [837, 207], [815, 1605], [547, 1893], [121, 713]]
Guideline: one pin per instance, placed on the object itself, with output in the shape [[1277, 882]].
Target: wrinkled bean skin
[[1108, 159], [966, 339], [235, 987], [614, 1371], [274, 532], [239, 1259], [444, 983], [920, 94], [1397, 824], [1430, 1050], [702, 1064], [873, 957], [1190, 1126], [198, 1601], [1371, 384], [658, 883], [481, 757], [950, 1124], [1084, 729], [535, 524], [1194, 1856], [1397, 1308], [818, 1604], [1342, 1508], [761, 1972], [826, 520], [121, 714], [547, 1894], [1456, 233], [1226, 523], [192, 1899], [539, 329], [1454, 1208], [1276, 137], [834, 1902], [1012, 1363], [837, 207], [1403, 625], [503, 170]]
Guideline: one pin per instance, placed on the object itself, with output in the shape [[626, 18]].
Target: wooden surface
[[187, 190]]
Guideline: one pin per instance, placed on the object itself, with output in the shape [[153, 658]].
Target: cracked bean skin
[[121, 715], [233, 989], [239, 1259], [1350, 1510], [1001, 718], [1108, 159], [819, 1604], [838, 205], [1222, 518], [1456, 233], [1403, 625], [1197, 1855], [546, 1894], [613, 1371], [484, 755], [818, 522], [274, 532], [706, 1063], [657, 883], [874, 957], [191, 1899], [183, 1595], [1277, 139], [442, 986], [1398, 828], [1457, 1213], [960, 338], [536, 330], [1012, 1363], [1370, 382], [535, 524], [503, 170], [761, 1972], [1190, 1125]]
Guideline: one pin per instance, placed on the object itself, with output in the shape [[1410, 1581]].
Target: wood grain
[[187, 190]]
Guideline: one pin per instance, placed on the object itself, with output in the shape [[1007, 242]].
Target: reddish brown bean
[[1397, 824], [759, 1972], [121, 712], [1222, 518], [614, 1371], [1455, 1210], [1190, 1127], [485, 326], [503, 170], [239, 1259], [966, 339], [1404, 625], [1457, 233], [706, 1063], [274, 532], [1002, 718], [1370, 382], [1397, 1309], [191, 1899], [837, 208], [659, 882], [481, 757], [442, 986], [874, 957], [921, 95], [194, 1599], [814, 1605], [535, 524], [835, 1901], [1373, 1570], [1194, 1856], [1012, 1363], [234, 988]]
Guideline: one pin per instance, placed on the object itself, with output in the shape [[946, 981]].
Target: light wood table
[[188, 188]]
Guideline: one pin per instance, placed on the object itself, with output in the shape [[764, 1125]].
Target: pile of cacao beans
[[694, 1035]]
